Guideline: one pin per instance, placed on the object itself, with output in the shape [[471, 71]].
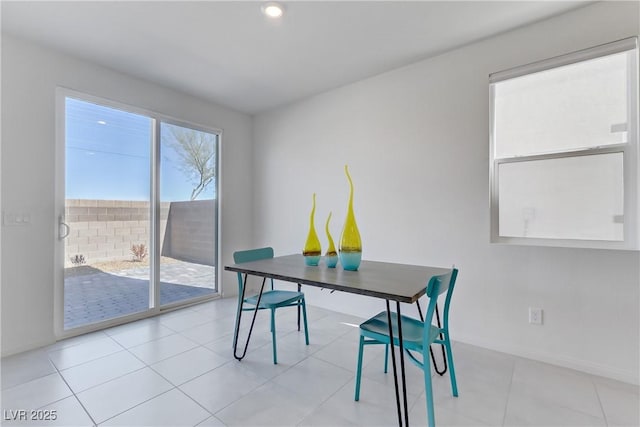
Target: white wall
[[30, 75], [416, 140]]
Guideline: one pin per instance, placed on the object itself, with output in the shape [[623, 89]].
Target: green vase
[[331, 256], [312, 249], [350, 244]]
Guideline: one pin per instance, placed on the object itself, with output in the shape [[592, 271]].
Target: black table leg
[[255, 312], [393, 362], [299, 309], [404, 380]]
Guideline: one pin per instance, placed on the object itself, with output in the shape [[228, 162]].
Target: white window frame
[[630, 151]]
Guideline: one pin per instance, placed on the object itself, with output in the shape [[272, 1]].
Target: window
[[564, 150]]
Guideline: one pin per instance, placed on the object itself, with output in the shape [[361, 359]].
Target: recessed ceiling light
[[102, 122], [273, 9]]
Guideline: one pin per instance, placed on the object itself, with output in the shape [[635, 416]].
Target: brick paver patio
[[99, 296]]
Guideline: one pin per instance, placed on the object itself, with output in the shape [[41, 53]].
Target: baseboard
[[27, 347], [588, 367]]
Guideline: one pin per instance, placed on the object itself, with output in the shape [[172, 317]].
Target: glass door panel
[[188, 213], [107, 197]]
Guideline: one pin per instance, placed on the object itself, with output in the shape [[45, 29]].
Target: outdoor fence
[[190, 232], [105, 230]]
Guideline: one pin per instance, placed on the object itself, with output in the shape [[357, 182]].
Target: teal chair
[[417, 337], [271, 299]]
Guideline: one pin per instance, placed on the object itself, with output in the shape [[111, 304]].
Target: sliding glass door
[[188, 206], [131, 247]]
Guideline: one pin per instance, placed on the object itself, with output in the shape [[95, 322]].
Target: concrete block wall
[[103, 230], [191, 232]]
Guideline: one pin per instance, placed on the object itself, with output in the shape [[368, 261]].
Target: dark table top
[[396, 282]]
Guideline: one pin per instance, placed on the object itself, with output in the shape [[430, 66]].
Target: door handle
[[63, 228]]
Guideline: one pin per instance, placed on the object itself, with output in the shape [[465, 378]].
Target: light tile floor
[[177, 369]]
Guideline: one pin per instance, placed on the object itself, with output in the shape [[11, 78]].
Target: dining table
[[392, 282]]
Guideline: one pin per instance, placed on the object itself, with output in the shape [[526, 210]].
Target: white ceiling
[[229, 53]]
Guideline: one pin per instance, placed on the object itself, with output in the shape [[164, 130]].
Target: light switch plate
[[12, 219]]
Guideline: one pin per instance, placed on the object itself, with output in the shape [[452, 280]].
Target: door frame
[[59, 208]]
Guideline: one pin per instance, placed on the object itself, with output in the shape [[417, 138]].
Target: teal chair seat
[[412, 331], [270, 300], [276, 299], [417, 336]]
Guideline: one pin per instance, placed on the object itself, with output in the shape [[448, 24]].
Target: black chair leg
[[444, 356], [253, 320]]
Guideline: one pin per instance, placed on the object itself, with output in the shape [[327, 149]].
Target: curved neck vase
[[312, 249], [331, 256], [350, 244]]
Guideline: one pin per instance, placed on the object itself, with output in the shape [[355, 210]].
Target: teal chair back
[[240, 257], [437, 286], [252, 255]]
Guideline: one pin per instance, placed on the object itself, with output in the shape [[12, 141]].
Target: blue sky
[[108, 156]]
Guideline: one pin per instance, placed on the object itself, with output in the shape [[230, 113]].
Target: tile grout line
[[146, 365], [231, 403], [124, 349], [135, 406], [177, 387], [58, 370], [570, 408], [267, 380], [191, 379], [604, 414], [109, 380], [87, 361], [310, 356], [506, 404], [198, 403], [317, 407], [168, 357], [32, 379], [76, 397]]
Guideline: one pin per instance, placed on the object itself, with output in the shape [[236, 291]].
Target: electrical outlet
[[535, 316]]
